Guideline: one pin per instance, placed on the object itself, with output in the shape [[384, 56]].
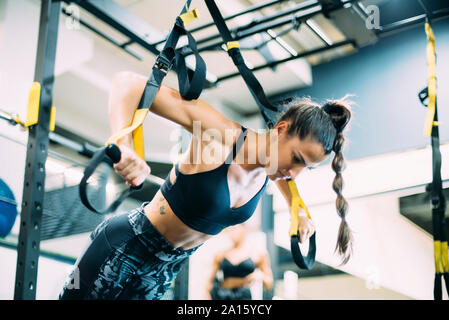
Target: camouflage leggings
[[127, 258]]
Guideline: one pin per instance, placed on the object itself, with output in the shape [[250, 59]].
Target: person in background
[[237, 268]]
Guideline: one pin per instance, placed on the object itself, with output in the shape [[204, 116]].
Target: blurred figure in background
[[236, 269]]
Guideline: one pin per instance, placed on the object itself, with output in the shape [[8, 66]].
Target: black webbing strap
[[439, 228], [268, 111], [112, 152], [440, 236], [296, 202], [308, 261], [189, 87]]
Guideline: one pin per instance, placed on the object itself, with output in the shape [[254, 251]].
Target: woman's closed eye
[[298, 160]]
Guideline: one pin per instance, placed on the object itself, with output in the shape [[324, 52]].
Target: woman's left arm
[[305, 226]]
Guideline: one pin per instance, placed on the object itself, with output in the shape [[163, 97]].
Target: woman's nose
[[293, 173]]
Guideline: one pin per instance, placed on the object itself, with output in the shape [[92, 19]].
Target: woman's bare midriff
[[180, 235], [170, 226]]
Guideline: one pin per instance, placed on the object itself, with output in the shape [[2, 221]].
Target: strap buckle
[[163, 63]]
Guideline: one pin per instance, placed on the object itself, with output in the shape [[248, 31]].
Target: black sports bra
[[240, 270], [202, 200]]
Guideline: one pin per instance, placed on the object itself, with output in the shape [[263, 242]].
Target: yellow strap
[[444, 256], [17, 120], [432, 85], [136, 125], [437, 256], [138, 142], [52, 118], [296, 202], [34, 98], [189, 16], [33, 105], [232, 44], [294, 209]]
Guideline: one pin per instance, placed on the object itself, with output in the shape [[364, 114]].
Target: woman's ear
[[282, 127]]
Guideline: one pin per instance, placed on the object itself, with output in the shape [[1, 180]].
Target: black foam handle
[[423, 95], [303, 262], [113, 152], [135, 188]]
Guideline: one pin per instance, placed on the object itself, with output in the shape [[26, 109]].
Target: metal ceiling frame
[[139, 32]]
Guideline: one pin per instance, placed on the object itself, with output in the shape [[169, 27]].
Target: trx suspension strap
[[266, 108], [189, 88], [440, 236], [307, 262], [269, 113]]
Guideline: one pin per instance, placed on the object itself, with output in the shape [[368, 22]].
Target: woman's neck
[[256, 150], [238, 245]]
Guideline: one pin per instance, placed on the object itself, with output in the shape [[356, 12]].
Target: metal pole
[[411, 22], [239, 34], [300, 55], [258, 29], [121, 20], [246, 11], [137, 30], [303, 6], [261, 25], [123, 46], [34, 182], [318, 34], [426, 10]]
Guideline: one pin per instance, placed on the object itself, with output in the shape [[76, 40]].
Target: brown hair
[[325, 124]]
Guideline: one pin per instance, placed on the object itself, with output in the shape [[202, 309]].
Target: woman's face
[[294, 154]]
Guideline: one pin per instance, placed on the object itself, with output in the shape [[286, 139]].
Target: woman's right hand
[[131, 167]]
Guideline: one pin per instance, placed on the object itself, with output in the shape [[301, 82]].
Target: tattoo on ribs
[[161, 210]]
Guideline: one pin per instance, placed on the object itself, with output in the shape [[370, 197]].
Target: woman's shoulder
[[219, 255], [259, 256]]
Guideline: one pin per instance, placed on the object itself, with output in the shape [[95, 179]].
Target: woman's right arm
[[126, 92]]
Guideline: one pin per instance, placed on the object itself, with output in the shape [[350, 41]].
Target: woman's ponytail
[[340, 114]]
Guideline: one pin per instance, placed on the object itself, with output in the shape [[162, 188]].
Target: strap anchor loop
[[163, 63]]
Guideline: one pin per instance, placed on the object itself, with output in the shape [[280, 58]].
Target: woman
[[236, 269], [216, 184]]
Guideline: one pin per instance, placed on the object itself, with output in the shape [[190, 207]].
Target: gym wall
[[386, 78], [388, 157]]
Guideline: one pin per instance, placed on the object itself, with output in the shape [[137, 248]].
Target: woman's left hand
[[305, 228]]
